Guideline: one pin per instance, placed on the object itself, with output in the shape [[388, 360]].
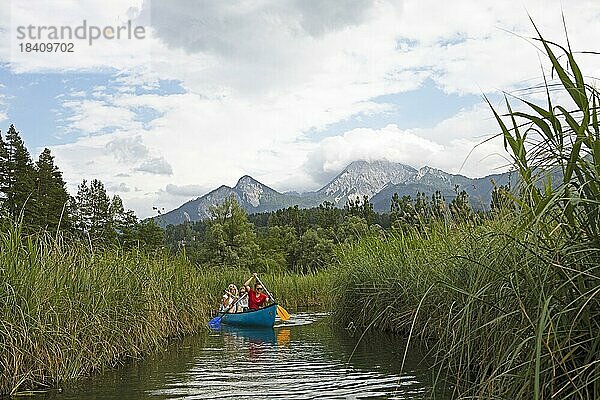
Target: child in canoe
[[229, 298]]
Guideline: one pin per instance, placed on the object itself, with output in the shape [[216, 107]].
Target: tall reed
[[67, 311], [557, 147], [512, 307]]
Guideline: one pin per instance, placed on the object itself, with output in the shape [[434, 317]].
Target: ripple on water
[[241, 363]]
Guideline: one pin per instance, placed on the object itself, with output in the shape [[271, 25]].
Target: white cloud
[[121, 187], [454, 145], [186, 190], [259, 76], [156, 166], [127, 149], [93, 116]]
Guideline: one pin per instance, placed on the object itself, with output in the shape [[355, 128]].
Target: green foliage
[[68, 311], [501, 199], [314, 252], [482, 296], [510, 306], [352, 229], [403, 212], [291, 216], [36, 195], [230, 238], [553, 139], [18, 177], [556, 150], [32, 193], [460, 207], [361, 208], [278, 249], [102, 221], [50, 199], [147, 234], [328, 216]]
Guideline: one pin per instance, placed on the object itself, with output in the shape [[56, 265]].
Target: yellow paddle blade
[[282, 313]]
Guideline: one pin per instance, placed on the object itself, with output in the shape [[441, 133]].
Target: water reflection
[[304, 358]]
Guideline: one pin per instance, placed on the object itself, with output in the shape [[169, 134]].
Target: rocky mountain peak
[[250, 190], [430, 174], [245, 181], [365, 178], [378, 180]]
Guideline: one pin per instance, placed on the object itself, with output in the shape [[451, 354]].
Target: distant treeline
[[305, 240], [291, 240], [34, 195]]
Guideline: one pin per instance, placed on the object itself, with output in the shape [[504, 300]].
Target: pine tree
[[82, 209], [3, 171], [18, 177], [120, 219], [150, 235], [100, 226], [50, 200], [328, 215], [124, 223]]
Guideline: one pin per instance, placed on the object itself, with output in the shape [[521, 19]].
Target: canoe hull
[[263, 317]]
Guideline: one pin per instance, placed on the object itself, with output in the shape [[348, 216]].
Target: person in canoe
[[229, 298], [242, 305], [256, 295]]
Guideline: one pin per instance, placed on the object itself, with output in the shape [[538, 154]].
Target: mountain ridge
[[378, 180]]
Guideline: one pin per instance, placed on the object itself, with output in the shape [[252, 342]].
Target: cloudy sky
[[288, 92]]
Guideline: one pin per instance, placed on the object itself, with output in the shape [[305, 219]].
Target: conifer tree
[[363, 209], [18, 177], [3, 175], [120, 219], [124, 223], [100, 227], [149, 235], [82, 208], [50, 200], [3, 170]]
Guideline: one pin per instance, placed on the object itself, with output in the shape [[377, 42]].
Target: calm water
[[306, 358]]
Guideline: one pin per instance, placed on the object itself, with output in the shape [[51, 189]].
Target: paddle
[[281, 312], [215, 323]]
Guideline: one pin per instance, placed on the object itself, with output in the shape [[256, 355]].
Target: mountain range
[[378, 180]]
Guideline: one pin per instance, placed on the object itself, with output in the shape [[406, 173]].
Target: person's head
[[232, 289], [258, 287], [242, 291]]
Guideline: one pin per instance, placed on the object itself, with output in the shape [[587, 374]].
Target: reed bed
[[497, 312], [68, 311], [510, 308]]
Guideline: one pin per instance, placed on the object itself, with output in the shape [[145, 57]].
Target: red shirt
[[255, 299]]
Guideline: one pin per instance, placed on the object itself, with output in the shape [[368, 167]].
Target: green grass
[[511, 308], [498, 313], [67, 311]]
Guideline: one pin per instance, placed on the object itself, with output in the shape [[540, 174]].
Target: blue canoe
[[263, 317]]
